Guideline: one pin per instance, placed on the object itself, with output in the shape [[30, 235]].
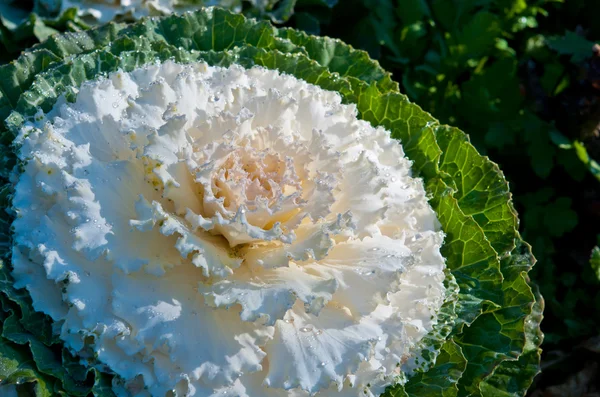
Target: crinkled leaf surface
[[512, 378]]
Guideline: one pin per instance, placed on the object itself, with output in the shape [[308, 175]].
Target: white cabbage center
[[222, 231]]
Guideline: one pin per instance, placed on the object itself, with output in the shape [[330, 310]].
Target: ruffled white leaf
[[313, 241], [216, 231], [311, 352], [206, 251], [267, 294], [173, 323]]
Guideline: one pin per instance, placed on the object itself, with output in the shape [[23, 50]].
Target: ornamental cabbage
[[204, 205], [220, 228]]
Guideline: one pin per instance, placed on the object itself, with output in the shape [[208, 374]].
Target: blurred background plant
[[521, 77]]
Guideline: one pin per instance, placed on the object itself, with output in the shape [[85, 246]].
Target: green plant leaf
[[442, 379], [501, 334], [481, 189], [513, 378], [572, 44], [595, 262], [477, 36]]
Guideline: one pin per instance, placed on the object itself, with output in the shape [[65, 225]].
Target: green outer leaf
[[20, 73], [481, 189], [17, 365], [499, 335], [441, 380], [513, 378], [45, 358], [470, 257], [103, 385], [37, 323], [29, 28], [341, 58], [24, 326], [15, 76], [473, 204]]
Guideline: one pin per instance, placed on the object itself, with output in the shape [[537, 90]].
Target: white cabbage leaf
[[226, 231]]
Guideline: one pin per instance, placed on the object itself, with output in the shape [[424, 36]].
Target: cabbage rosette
[[204, 205]]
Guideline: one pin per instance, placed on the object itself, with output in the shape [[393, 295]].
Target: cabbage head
[[205, 205]]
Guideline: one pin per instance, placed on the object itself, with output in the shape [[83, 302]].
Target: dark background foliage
[[522, 78]]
